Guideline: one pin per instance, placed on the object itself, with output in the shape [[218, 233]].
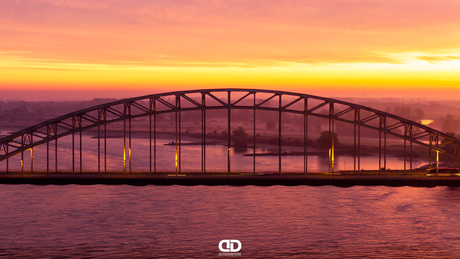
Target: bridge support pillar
[[154, 109], [7, 165], [98, 149], [380, 149], [203, 134], [32, 160], [410, 133], [359, 149], [56, 155], [178, 135], [180, 141], [105, 148], [354, 141], [73, 152], [81, 153], [331, 138], [279, 135], [22, 161], [228, 136], [385, 147], [150, 144], [155, 143], [333, 148], [124, 146], [385, 153], [129, 150], [411, 158], [204, 141], [429, 153], [175, 156], [305, 136], [47, 157], [254, 140], [358, 119], [405, 156]]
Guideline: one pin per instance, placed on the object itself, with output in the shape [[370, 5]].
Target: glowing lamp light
[[332, 156], [124, 159], [437, 162], [176, 159]]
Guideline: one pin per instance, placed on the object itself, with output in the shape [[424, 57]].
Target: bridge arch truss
[[228, 99]]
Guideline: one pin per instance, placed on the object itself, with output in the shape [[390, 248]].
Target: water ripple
[[97, 221]]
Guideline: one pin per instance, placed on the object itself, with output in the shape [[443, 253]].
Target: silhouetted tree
[[449, 124], [240, 137], [323, 140], [406, 111], [418, 114], [224, 134]]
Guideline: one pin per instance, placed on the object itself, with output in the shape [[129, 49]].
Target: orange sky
[[336, 47]]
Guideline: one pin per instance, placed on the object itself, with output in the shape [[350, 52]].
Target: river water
[[101, 221]]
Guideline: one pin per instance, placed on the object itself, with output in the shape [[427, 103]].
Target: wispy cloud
[[434, 59]]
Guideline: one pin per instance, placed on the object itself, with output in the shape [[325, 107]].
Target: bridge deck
[[317, 179]]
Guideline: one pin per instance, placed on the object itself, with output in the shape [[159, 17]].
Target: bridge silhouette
[[151, 106]]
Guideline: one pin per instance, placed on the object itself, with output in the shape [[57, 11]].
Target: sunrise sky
[[327, 47]]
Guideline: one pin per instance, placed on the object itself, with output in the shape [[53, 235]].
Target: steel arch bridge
[[228, 99]]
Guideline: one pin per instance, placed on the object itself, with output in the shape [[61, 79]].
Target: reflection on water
[[189, 222], [190, 158]]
